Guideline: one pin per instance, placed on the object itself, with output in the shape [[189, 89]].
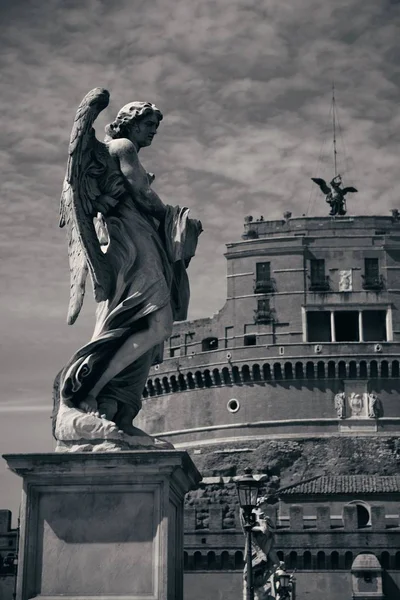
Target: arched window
[[299, 370], [197, 561], [157, 385], [292, 562], [225, 561], [217, 377], [239, 561], [288, 370], [211, 561], [199, 379], [256, 373], [353, 369], [307, 561], [310, 373], [321, 562], [334, 560], [226, 376], [374, 369], [190, 380], [342, 369], [207, 378], [384, 369], [395, 368], [150, 387], [174, 384], [331, 369], [182, 382], [267, 372], [246, 373], [280, 555], [348, 559], [321, 370], [363, 369], [210, 343], [236, 374], [277, 372], [363, 515]]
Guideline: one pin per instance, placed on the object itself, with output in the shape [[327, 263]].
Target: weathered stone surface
[[103, 525]]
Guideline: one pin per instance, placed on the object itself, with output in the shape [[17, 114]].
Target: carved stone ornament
[[340, 405], [346, 281], [356, 403]]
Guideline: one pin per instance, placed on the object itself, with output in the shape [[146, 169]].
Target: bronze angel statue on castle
[[335, 195], [136, 250]]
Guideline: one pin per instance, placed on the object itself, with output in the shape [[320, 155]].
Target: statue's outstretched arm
[[138, 183]]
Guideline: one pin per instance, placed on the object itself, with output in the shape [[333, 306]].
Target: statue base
[[105, 526]]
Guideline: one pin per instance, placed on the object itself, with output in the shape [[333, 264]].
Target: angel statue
[[136, 250], [335, 195]]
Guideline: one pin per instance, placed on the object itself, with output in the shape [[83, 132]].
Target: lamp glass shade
[[247, 488], [284, 581]]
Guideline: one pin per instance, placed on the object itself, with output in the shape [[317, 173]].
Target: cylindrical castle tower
[[307, 344]]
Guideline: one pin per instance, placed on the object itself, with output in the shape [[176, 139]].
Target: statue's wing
[[349, 189], [322, 184], [87, 164]]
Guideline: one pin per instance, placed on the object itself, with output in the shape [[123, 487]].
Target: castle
[[298, 377]]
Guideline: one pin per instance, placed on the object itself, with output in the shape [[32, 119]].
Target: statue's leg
[[107, 408], [159, 329]]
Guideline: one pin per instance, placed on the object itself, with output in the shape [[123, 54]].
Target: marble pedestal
[[103, 526]]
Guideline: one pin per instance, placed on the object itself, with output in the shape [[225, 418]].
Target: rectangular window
[[372, 278], [318, 326], [250, 340], [228, 337], [263, 305], [371, 268], [346, 326], [374, 325], [175, 346], [188, 341], [319, 281], [263, 271], [263, 283]]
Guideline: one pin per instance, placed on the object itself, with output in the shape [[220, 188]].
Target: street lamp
[[247, 488], [283, 583]]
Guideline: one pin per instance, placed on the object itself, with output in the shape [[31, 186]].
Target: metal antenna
[[334, 126]]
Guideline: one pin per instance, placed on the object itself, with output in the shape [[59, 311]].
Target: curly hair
[[127, 116]]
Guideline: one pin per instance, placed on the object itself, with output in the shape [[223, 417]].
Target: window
[[250, 340], [263, 282], [210, 343], [228, 337], [346, 326], [188, 340], [374, 325], [372, 278], [175, 346], [263, 312], [319, 281], [318, 326]]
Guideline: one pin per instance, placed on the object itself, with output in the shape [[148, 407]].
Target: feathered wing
[[349, 189], [88, 162], [322, 184]]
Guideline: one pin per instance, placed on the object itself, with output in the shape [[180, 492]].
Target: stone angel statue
[[136, 250], [335, 195]]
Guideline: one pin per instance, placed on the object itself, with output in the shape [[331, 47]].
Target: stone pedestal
[[102, 526]]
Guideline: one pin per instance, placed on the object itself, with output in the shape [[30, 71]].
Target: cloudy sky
[[245, 89]]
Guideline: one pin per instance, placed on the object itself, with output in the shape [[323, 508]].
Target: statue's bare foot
[[89, 405]]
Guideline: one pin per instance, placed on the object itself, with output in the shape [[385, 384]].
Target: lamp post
[[283, 583], [247, 488]]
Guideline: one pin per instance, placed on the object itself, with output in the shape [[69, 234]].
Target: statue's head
[[137, 121]]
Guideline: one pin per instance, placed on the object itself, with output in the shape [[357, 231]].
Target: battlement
[[205, 516], [365, 225]]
